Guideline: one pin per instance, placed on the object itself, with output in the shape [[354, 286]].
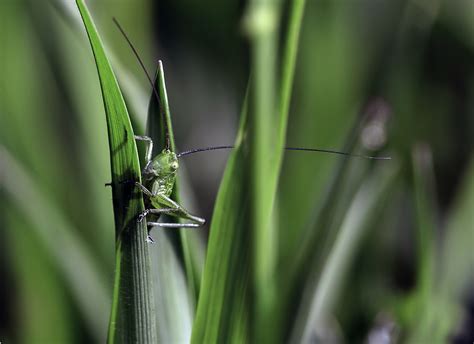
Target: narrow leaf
[[171, 254], [132, 318]]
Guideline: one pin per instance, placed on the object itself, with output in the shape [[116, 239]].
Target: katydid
[[159, 173], [158, 177]]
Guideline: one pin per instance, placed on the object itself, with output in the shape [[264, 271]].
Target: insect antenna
[[331, 151], [318, 150], [155, 92], [197, 150]]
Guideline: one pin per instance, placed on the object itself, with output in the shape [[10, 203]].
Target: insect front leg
[[150, 195], [149, 147], [144, 190]]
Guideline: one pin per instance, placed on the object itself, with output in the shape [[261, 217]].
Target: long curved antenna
[[155, 92], [330, 151], [197, 150]]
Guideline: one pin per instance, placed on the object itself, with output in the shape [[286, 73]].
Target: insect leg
[[168, 211], [179, 210], [144, 189], [174, 225], [154, 211], [149, 148]]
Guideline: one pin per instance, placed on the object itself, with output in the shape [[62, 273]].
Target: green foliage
[[301, 246], [132, 317]]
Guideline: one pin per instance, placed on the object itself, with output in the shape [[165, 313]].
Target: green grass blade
[[267, 145], [262, 25], [132, 318]]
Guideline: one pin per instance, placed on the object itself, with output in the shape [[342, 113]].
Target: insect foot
[[149, 239], [143, 215]]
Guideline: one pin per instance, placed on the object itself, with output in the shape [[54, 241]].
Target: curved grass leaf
[[132, 317]]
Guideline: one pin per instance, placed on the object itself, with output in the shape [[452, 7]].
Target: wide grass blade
[[132, 318]]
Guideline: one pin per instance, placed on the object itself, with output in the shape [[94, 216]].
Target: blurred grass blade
[[132, 318], [457, 249], [31, 263], [322, 291], [439, 313], [425, 196], [456, 273], [225, 307], [262, 21], [267, 141], [133, 91], [418, 310], [57, 235]]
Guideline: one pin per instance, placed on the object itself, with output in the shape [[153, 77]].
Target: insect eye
[[174, 165]]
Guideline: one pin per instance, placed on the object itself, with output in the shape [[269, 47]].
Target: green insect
[[159, 173], [159, 176]]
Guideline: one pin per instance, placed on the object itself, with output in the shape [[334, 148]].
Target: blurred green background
[[390, 76]]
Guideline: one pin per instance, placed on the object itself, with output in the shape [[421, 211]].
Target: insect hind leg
[[144, 214], [176, 212], [174, 225]]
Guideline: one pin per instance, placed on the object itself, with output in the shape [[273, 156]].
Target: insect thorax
[[163, 185]]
